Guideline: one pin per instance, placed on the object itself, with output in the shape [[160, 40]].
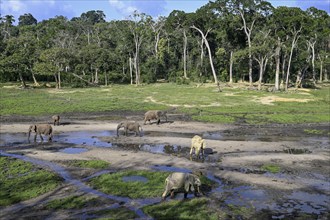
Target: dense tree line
[[225, 40]]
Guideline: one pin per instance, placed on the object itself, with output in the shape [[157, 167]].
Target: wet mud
[[313, 200]]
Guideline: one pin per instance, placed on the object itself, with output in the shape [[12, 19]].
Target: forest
[[224, 41]]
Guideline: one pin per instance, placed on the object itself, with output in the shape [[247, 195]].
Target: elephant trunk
[[118, 127], [29, 132]]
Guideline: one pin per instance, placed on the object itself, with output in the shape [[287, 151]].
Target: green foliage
[[114, 184], [185, 209], [21, 180], [95, 164]]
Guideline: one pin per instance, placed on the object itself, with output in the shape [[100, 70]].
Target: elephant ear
[[35, 128]]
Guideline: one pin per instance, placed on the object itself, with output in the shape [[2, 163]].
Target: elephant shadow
[[65, 123]]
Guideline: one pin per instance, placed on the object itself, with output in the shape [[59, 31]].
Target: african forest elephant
[[181, 182], [56, 119], [154, 114], [39, 129], [129, 126], [198, 145]]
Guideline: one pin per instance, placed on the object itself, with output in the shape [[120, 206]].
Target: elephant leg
[[35, 137], [165, 194], [158, 121], [125, 131], [191, 152], [185, 195], [42, 139], [172, 194]]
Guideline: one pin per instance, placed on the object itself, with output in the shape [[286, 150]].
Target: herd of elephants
[[176, 182]]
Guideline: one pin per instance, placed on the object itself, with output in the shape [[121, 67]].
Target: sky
[[121, 9]]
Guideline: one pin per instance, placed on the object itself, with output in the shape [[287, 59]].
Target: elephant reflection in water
[[181, 183]]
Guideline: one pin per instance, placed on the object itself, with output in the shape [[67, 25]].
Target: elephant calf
[[154, 115], [129, 126], [198, 145], [39, 129], [181, 182], [56, 119]]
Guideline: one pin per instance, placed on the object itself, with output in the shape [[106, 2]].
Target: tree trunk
[[35, 80], [261, 69], [210, 55], [79, 77], [321, 71], [56, 81], [21, 79], [96, 76], [248, 31], [184, 54], [277, 60], [231, 67], [299, 79], [293, 44], [59, 79], [105, 78], [312, 46], [131, 70]]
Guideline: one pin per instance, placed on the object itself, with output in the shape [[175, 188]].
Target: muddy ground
[[235, 157]]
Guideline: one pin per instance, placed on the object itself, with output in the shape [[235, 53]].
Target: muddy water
[[134, 206], [282, 204]]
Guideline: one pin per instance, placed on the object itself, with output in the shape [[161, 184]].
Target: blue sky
[[120, 9]]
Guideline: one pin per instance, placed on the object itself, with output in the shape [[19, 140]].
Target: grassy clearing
[[203, 103], [21, 180], [197, 208]]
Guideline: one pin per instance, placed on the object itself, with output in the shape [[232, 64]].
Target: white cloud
[[8, 7], [122, 7], [40, 9]]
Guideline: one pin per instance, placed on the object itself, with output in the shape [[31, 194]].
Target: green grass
[[72, 202], [271, 168], [113, 184], [21, 180], [115, 214], [197, 208], [203, 103], [154, 187], [94, 164]]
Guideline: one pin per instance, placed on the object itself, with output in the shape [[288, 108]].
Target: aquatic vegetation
[[271, 168], [95, 164], [197, 208], [72, 202]]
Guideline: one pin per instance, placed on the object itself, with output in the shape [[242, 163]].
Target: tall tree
[[27, 19]]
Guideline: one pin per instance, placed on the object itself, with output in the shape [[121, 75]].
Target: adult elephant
[[40, 129], [129, 126], [154, 115], [181, 182]]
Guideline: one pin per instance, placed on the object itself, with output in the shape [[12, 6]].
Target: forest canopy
[[223, 41]]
